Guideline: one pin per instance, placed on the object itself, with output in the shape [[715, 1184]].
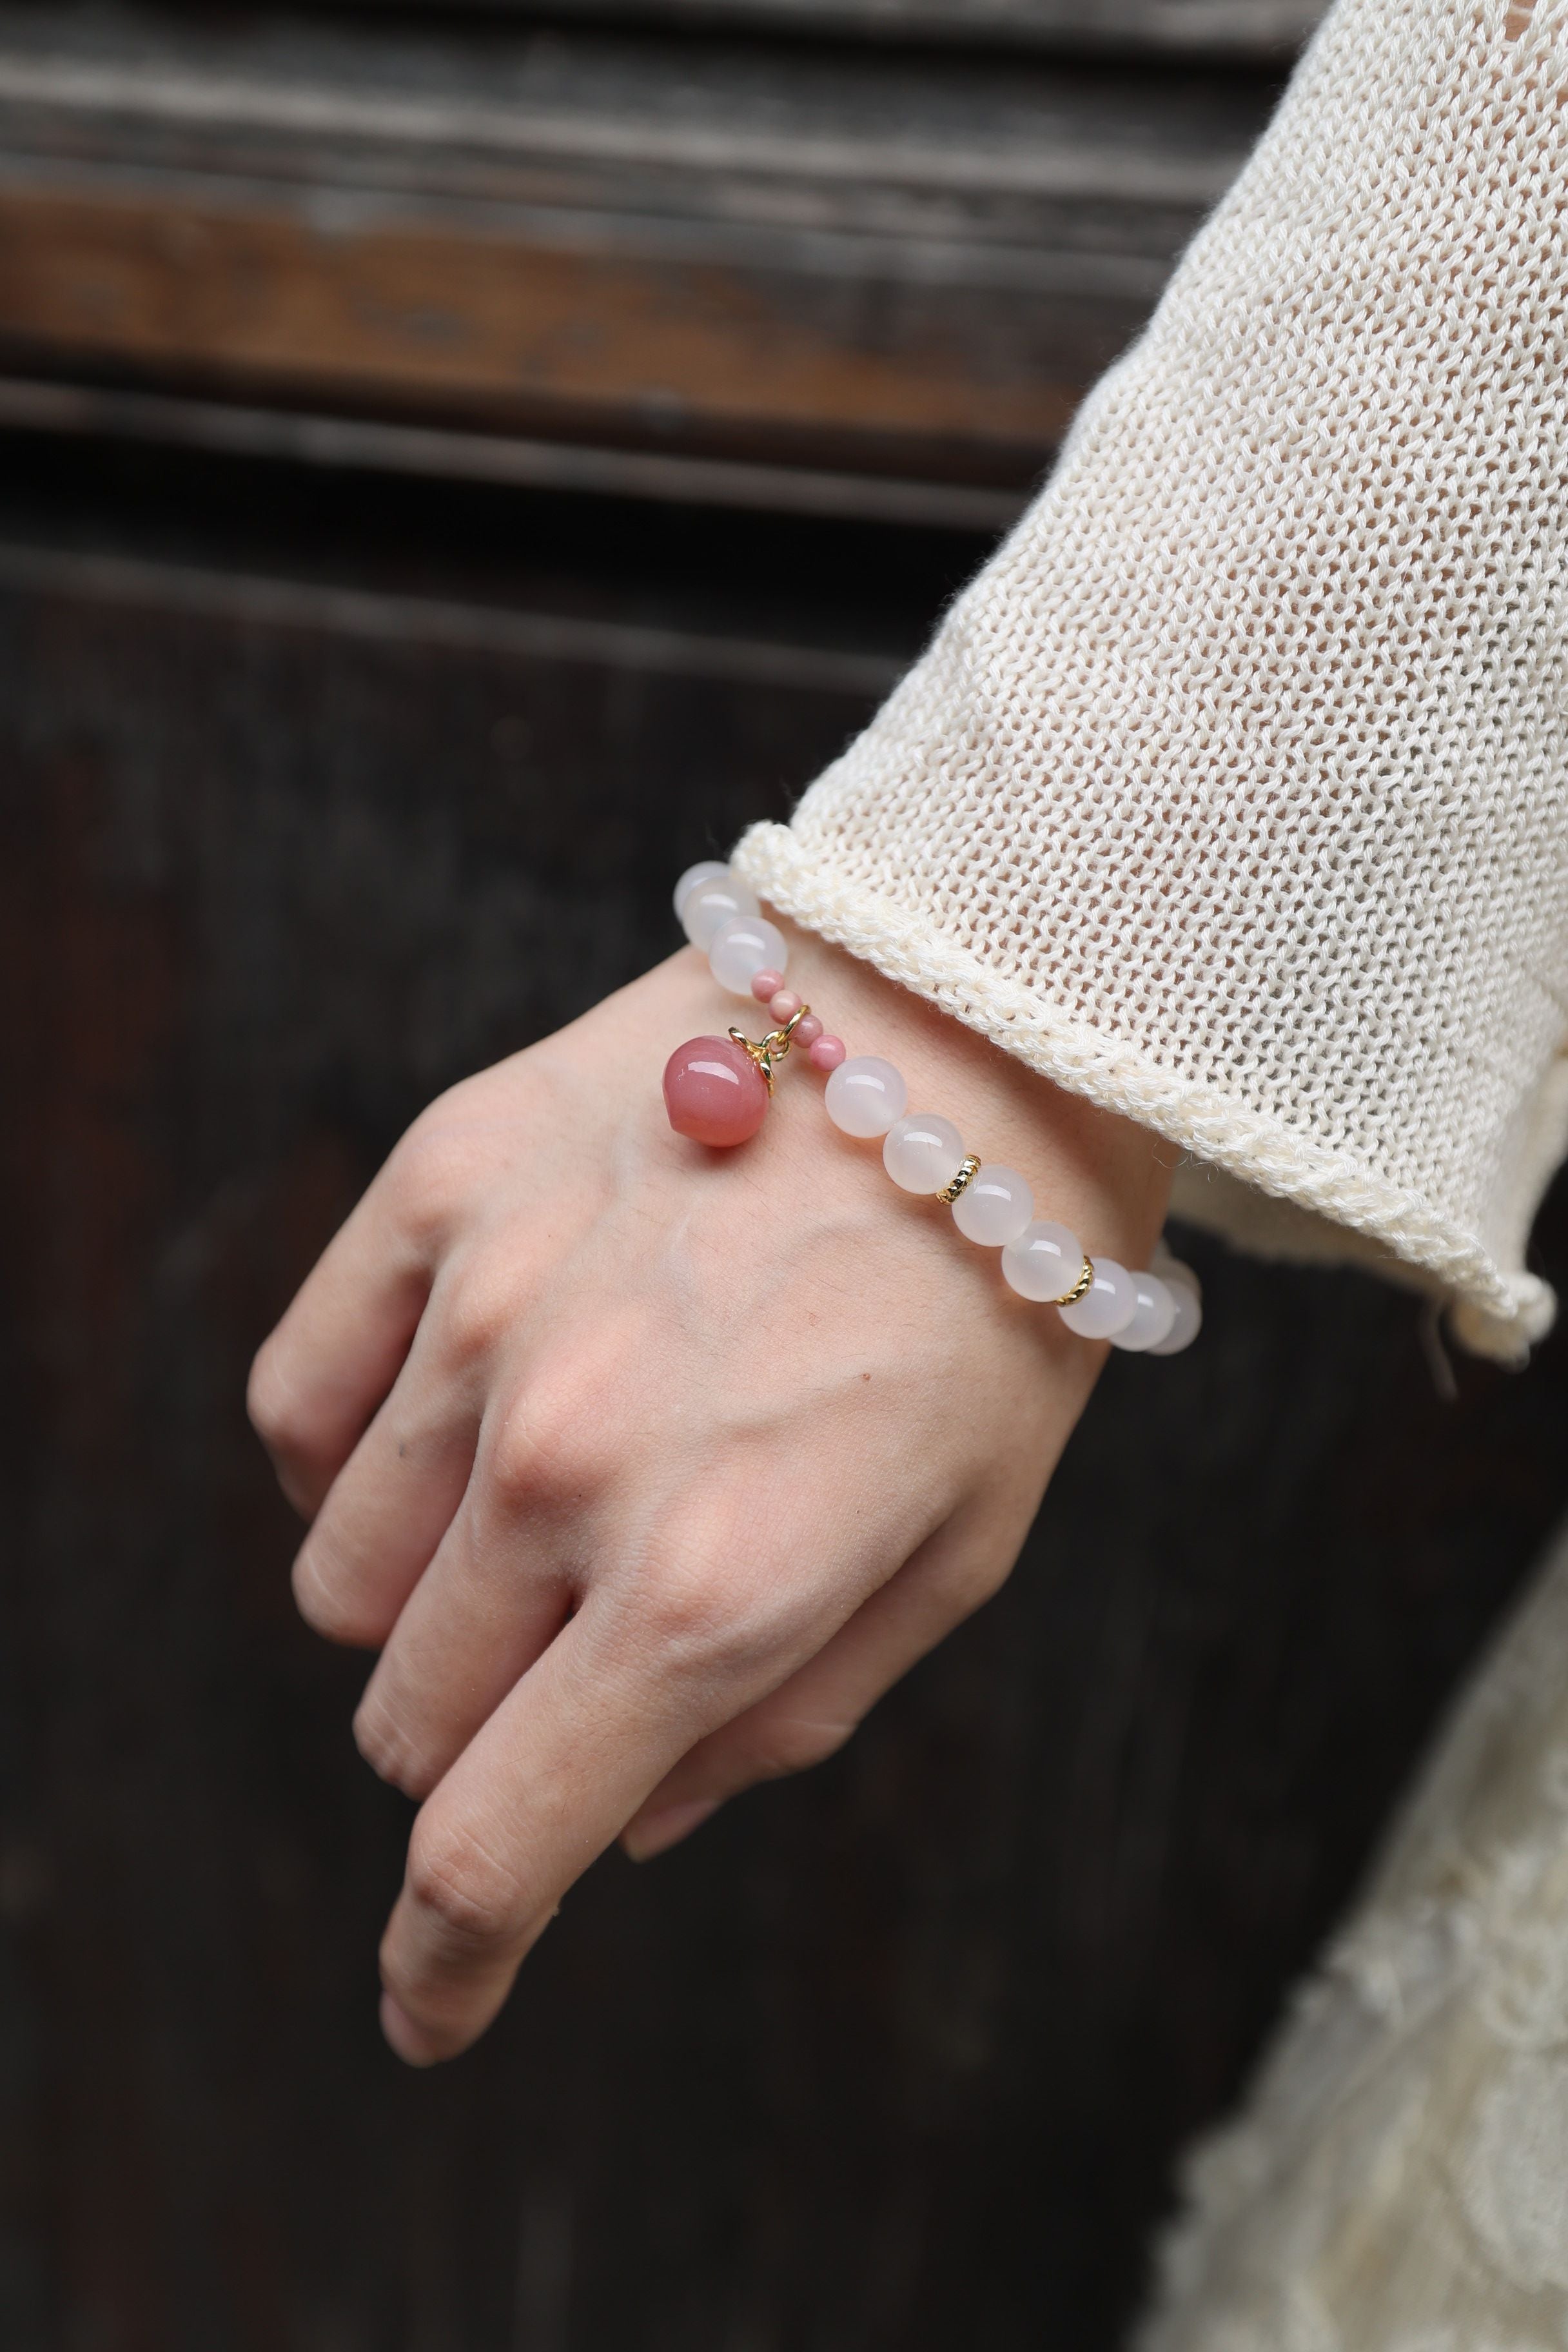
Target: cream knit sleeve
[[1234, 792]]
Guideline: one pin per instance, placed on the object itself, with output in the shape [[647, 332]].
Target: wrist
[[1070, 1195], [1101, 1174]]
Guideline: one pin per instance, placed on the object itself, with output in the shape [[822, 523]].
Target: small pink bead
[[784, 1004], [826, 1053], [714, 1092], [765, 984], [807, 1029]]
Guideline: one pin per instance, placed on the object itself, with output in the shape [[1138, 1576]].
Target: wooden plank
[[368, 444], [432, 623], [558, 117], [426, 312], [1268, 31], [644, 242]]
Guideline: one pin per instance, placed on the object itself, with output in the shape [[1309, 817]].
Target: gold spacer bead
[[1070, 1298], [961, 1181]]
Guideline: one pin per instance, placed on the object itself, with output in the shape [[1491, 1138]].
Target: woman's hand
[[647, 1468]]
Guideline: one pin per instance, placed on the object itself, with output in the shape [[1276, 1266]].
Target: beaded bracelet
[[717, 1090]]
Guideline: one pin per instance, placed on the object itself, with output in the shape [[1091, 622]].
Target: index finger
[[340, 1343], [572, 1751], [548, 1783]]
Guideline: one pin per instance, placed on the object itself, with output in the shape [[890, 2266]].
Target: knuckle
[[431, 1173], [703, 1611], [474, 1318], [797, 1743], [271, 1404], [689, 1608], [549, 1445], [329, 1599], [470, 1898], [392, 1752]]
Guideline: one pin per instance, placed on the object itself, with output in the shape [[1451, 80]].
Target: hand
[[648, 1468]]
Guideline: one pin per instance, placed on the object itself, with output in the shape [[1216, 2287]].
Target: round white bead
[[1152, 1316], [1184, 1287], [1043, 1261], [743, 947], [865, 1094], [1175, 1275], [994, 1207], [1107, 1307], [922, 1152], [712, 870], [707, 908]]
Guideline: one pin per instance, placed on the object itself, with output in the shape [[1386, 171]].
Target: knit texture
[[1397, 2181], [1232, 793]]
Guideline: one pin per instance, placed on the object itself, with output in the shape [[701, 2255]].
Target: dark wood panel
[[100, 414], [1251, 30], [1078, 158], [693, 591], [891, 2059], [202, 286], [928, 264], [319, 791]]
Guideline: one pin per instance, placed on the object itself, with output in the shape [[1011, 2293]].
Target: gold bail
[[765, 1051]]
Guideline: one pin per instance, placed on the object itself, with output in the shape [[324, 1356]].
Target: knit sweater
[[1232, 793]]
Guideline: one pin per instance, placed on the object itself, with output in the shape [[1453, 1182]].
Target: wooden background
[[452, 473]]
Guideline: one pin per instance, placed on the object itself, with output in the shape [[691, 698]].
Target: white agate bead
[[712, 870], [710, 906], [1151, 1317], [742, 947], [1175, 1275], [1043, 1261], [994, 1207], [1107, 1307], [1184, 1287], [922, 1152], [865, 1094]]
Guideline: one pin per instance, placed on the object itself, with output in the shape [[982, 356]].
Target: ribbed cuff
[[1495, 1309]]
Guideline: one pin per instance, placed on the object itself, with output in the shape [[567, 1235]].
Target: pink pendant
[[714, 1092]]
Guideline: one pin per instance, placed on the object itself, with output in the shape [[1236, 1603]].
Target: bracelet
[[717, 1091]]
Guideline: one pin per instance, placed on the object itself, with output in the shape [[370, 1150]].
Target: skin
[[647, 1468]]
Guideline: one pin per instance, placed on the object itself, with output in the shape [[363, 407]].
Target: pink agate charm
[[714, 1092]]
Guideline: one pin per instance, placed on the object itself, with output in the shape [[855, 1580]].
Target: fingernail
[[643, 1839]]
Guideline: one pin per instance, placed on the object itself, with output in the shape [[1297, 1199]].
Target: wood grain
[[696, 245], [893, 2059], [423, 313], [111, 413], [1268, 30]]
